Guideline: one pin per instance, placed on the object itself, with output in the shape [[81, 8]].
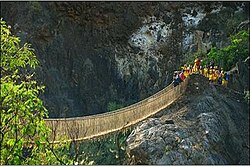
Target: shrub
[[238, 50], [24, 135]]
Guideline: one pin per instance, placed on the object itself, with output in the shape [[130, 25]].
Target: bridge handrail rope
[[97, 125], [124, 109]]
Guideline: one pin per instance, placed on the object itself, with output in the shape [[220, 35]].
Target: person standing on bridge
[[210, 74], [225, 79], [213, 74], [185, 69], [189, 69], [182, 76], [217, 73], [176, 79], [201, 70], [221, 76], [197, 63], [205, 71]]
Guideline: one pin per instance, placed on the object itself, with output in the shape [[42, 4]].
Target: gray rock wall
[[95, 52]]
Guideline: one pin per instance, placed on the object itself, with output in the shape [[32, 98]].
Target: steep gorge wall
[[95, 52]]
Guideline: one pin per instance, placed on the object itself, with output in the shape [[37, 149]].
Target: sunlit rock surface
[[208, 125]]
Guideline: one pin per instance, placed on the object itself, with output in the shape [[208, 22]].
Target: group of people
[[212, 72]]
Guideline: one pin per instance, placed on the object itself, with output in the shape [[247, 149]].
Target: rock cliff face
[[95, 52], [240, 77], [208, 125]]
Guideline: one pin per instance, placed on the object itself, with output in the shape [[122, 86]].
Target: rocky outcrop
[[95, 52], [208, 125], [239, 80]]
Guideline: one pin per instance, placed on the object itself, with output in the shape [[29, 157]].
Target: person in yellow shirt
[[216, 74], [201, 70], [185, 69], [194, 68], [210, 75], [221, 76], [197, 63], [189, 68], [205, 71]]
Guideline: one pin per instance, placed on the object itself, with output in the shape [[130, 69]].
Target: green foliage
[[105, 150], [226, 57], [108, 151], [114, 106], [21, 110], [238, 50], [24, 135]]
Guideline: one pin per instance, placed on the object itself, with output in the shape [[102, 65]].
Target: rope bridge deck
[[88, 127]]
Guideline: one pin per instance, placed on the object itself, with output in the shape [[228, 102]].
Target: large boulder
[[207, 127]]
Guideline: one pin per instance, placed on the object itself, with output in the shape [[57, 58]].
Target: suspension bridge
[[89, 127]]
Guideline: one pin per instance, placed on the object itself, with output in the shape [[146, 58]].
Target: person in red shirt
[[197, 63], [182, 76]]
